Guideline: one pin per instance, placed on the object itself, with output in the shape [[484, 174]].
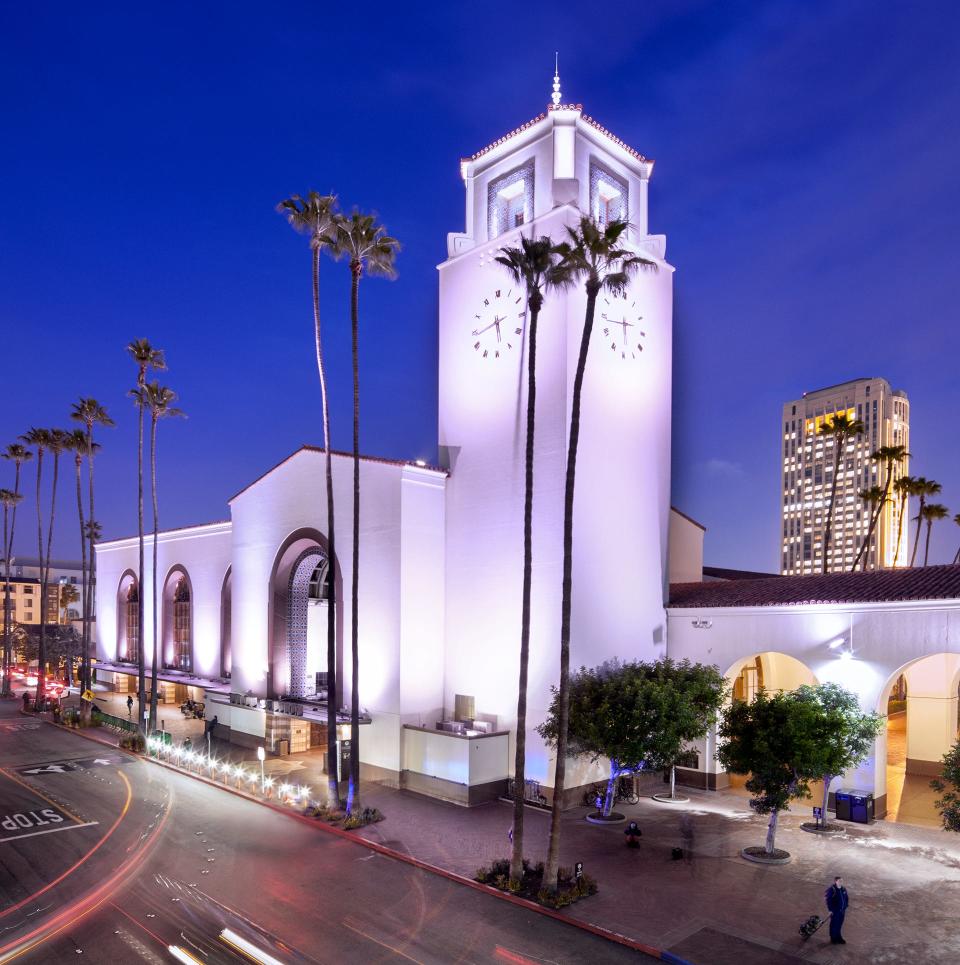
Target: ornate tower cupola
[[560, 157]]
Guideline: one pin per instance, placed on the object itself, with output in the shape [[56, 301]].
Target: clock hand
[[480, 331]]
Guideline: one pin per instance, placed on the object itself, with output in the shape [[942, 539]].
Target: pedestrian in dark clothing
[[129, 706], [837, 903]]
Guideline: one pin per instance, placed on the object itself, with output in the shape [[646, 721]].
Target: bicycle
[[531, 791]]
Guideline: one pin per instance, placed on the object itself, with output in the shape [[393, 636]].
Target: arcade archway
[[299, 603], [921, 703]]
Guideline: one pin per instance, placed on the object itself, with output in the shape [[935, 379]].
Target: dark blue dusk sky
[[806, 179]]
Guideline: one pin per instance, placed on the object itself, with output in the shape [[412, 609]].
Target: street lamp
[[261, 757]]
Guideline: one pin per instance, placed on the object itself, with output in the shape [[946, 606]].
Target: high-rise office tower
[[808, 461]]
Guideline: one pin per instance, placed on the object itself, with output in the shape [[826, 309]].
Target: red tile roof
[[878, 586]]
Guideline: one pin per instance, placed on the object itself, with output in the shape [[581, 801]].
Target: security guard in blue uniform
[[837, 903]]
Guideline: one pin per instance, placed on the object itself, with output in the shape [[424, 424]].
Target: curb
[[597, 930]]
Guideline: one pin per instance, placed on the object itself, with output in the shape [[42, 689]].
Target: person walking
[[129, 706], [837, 903]]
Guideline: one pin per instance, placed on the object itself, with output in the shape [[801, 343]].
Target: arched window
[[133, 624], [181, 625]]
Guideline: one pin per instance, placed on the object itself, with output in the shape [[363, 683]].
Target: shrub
[[361, 820], [133, 742]]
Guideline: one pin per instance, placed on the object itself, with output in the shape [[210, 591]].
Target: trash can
[[856, 806], [284, 747]]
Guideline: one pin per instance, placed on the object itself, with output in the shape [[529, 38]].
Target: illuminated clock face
[[497, 324], [621, 325]]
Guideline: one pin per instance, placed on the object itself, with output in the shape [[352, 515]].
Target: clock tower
[[538, 180]]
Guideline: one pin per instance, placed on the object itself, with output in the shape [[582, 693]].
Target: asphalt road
[[119, 860]]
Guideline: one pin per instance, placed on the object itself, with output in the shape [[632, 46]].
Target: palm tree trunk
[[141, 656], [563, 721], [956, 559], [900, 515], [916, 542], [91, 559], [7, 643], [333, 785], [519, 765], [45, 568], [42, 648], [353, 793], [6, 601], [84, 657], [926, 549], [839, 442], [156, 525]]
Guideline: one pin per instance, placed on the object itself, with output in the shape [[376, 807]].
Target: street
[[121, 860]]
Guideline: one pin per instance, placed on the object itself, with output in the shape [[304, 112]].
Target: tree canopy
[[948, 784], [638, 713]]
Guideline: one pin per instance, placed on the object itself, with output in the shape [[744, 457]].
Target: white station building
[[241, 603]]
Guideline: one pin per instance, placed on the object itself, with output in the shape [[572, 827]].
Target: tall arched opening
[[771, 671], [298, 618], [226, 628], [921, 702], [177, 626], [128, 618]]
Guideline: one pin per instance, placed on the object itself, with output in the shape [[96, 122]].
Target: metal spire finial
[[555, 96]]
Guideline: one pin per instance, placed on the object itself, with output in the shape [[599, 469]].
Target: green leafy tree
[[923, 488], [850, 744], [145, 357], [840, 428], [638, 715], [532, 265], [931, 513], [777, 741], [948, 784], [595, 255], [368, 248], [315, 216]]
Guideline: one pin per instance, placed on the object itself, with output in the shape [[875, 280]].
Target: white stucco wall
[[882, 640], [623, 486], [204, 552]]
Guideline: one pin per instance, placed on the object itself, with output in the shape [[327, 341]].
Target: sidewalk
[[718, 909]]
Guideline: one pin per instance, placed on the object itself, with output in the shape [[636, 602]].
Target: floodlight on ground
[[833, 644]]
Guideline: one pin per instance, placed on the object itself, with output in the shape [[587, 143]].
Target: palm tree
[[41, 440], [890, 457], [956, 519], [8, 499], [159, 399], [89, 412], [531, 265], [932, 512], [18, 455], [146, 357], [314, 216], [593, 253], [841, 428], [923, 488], [368, 247], [78, 446], [873, 499], [903, 487]]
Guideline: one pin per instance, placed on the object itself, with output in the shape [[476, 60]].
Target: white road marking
[[33, 834]]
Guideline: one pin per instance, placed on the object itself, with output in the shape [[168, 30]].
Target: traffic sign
[[87, 695]]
